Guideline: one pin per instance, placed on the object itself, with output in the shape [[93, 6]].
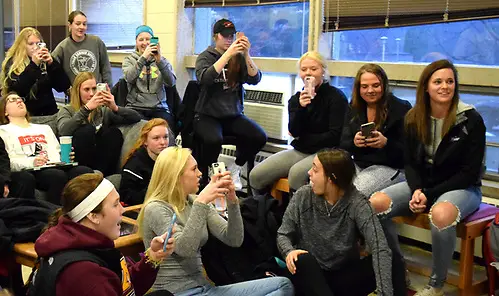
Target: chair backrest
[[120, 92], [187, 115], [175, 104]]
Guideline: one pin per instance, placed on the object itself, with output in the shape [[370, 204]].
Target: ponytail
[[53, 219]]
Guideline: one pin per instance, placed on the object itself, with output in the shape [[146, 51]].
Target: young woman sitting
[[321, 230], [89, 221], [379, 157], [315, 122], [444, 150], [174, 183], [92, 118], [32, 146], [31, 72], [139, 162]]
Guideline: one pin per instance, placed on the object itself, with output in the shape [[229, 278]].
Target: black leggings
[[53, 180], [99, 151], [250, 137], [149, 114], [355, 279], [22, 184]]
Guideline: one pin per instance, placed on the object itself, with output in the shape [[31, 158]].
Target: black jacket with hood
[[216, 98], [457, 161], [36, 87], [392, 154]]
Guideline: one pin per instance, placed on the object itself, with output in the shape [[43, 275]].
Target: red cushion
[[483, 211]]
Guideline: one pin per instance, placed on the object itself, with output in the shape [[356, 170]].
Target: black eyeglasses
[[14, 99]]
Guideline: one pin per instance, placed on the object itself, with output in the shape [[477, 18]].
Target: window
[[279, 30], [467, 42], [114, 21]]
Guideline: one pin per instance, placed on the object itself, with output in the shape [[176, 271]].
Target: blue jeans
[[275, 286], [443, 240]]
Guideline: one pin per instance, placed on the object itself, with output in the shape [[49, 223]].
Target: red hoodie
[[87, 278]]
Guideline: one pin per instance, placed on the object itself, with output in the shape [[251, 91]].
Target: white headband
[[91, 201]]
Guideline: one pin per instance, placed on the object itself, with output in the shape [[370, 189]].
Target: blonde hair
[[75, 98], [143, 135], [314, 55], [165, 182], [18, 55]]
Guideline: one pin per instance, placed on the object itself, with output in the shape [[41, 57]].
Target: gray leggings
[[289, 163], [376, 178]]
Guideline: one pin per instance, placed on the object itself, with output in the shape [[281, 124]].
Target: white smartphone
[[309, 85], [101, 87], [218, 168], [367, 129]]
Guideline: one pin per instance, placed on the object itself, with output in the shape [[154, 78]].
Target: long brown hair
[[234, 70], [143, 135], [359, 104], [75, 191], [3, 105], [418, 118]]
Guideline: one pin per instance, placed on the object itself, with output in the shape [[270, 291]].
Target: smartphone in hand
[[310, 85], [154, 42], [218, 168], [169, 233], [367, 129]]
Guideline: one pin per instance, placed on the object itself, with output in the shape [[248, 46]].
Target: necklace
[[327, 209]]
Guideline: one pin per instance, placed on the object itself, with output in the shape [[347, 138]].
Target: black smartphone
[[367, 129]]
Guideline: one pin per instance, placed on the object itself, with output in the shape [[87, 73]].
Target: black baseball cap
[[224, 27]]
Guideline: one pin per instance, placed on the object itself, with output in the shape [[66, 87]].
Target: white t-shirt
[[24, 143]]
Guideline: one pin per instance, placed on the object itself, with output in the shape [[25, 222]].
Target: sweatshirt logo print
[[33, 144], [153, 71], [83, 61]]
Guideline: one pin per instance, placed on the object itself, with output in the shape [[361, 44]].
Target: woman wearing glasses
[[32, 147], [30, 71]]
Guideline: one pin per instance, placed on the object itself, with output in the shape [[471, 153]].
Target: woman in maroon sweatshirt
[[90, 220]]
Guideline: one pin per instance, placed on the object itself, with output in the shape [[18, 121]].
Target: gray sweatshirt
[[333, 238], [90, 55], [68, 119], [183, 269], [146, 80], [216, 98]]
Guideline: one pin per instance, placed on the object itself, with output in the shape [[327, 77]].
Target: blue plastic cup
[[65, 148]]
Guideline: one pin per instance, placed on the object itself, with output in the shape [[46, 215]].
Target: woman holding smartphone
[[147, 73], [92, 117], [374, 131], [81, 52], [32, 146], [221, 71], [444, 150], [29, 70], [316, 116], [171, 192], [89, 221]]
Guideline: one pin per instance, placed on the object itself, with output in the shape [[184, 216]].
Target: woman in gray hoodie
[[147, 73]]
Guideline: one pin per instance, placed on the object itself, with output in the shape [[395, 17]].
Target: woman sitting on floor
[[174, 183], [321, 230]]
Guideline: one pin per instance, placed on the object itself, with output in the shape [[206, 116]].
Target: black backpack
[[42, 281], [226, 265]]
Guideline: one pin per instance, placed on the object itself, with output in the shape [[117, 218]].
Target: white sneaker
[[430, 291], [235, 173]]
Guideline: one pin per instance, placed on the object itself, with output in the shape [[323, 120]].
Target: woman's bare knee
[[381, 203], [444, 215]]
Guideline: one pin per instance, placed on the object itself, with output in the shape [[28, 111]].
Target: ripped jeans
[[443, 240]]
